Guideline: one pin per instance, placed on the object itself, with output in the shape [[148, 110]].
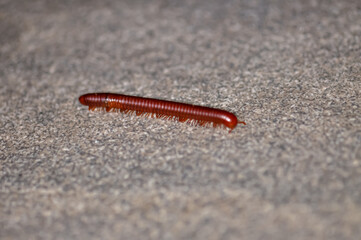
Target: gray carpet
[[290, 69]]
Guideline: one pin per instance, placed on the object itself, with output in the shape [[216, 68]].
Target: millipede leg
[[201, 123], [182, 119]]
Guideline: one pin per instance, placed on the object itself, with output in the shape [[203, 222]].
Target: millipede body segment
[[161, 109]]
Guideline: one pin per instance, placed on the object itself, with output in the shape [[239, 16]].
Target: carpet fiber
[[290, 69]]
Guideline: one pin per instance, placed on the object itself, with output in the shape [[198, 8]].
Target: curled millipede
[[182, 112]]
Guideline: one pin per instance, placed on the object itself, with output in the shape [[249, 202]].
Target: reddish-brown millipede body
[[161, 109]]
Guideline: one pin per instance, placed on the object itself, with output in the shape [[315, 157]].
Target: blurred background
[[289, 69]]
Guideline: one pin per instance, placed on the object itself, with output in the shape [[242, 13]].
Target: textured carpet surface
[[290, 69]]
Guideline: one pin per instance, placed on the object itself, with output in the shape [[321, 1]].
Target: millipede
[[183, 112]]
